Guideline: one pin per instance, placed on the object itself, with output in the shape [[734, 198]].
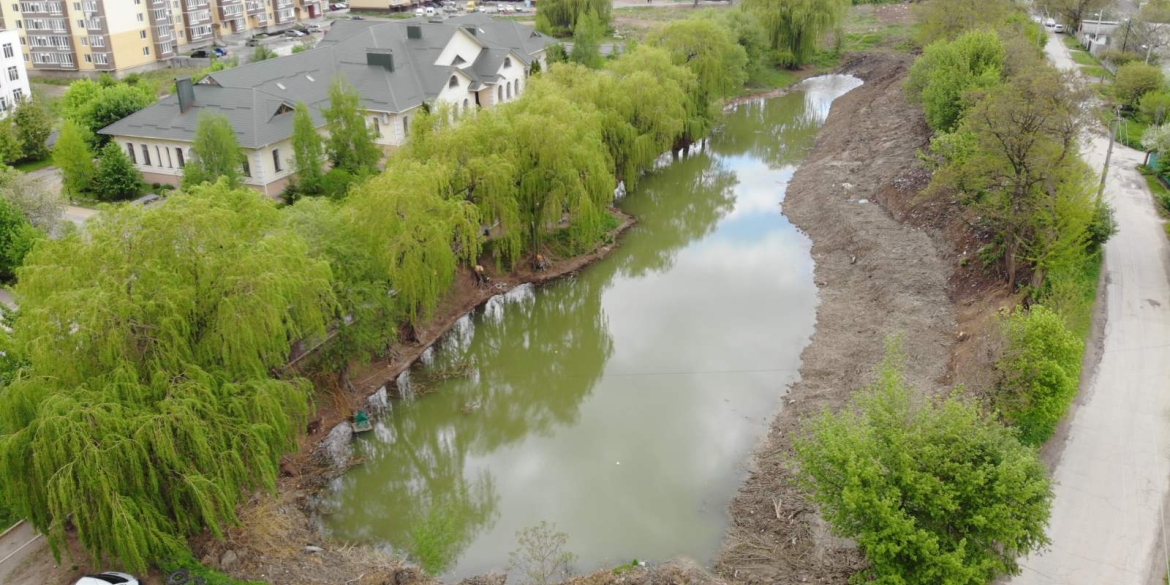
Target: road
[[17, 545], [1108, 520]]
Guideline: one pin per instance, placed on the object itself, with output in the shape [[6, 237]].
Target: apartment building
[[398, 67], [74, 38], [13, 77]]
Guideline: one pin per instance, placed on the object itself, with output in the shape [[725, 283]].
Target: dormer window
[[507, 62], [454, 81], [458, 61]]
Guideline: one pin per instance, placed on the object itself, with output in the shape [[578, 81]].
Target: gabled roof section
[[259, 98]]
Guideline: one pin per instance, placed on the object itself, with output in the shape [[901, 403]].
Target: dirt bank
[[876, 275]]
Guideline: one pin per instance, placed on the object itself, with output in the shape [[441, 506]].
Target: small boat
[[361, 422]]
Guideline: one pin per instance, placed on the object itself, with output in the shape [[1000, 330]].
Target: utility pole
[[1125, 39], [1108, 155]]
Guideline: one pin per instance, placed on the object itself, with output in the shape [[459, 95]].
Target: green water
[[621, 404]]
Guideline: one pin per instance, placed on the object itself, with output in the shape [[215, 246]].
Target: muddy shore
[[876, 275]]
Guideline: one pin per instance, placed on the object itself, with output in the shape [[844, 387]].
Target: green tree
[[709, 51], [262, 53], [33, 125], [1135, 80], [1040, 372], [116, 177], [95, 105], [1154, 107], [1015, 158], [932, 492], [149, 341], [73, 156], [559, 17], [308, 156], [796, 27], [947, 70], [945, 20], [587, 41], [351, 141], [215, 153], [17, 237], [11, 148], [39, 204], [1074, 11]]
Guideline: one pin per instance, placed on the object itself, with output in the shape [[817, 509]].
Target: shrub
[[116, 177], [947, 70], [1135, 80], [1153, 107], [335, 184], [1040, 369], [933, 492], [17, 237]]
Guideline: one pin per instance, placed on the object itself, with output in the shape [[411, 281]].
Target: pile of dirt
[[876, 276]]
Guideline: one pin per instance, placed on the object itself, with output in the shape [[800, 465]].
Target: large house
[[397, 67]]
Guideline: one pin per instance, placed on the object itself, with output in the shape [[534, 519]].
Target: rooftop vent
[[309, 77], [380, 58], [413, 31], [281, 86], [186, 93]]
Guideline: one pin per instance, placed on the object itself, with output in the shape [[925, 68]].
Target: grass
[[1073, 296], [34, 165], [1072, 42], [1129, 133], [1084, 58], [771, 78], [1161, 193], [1096, 72]]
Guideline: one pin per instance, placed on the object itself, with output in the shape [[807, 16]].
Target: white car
[[1059, 29], [509, 8], [431, 11], [1050, 23], [293, 34], [109, 578], [419, 12]]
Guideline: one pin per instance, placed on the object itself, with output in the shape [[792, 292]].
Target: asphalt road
[[1108, 521]]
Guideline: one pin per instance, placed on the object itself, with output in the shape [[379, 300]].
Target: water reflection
[[620, 404]]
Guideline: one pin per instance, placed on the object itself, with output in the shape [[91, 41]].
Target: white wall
[[8, 87], [164, 160], [461, 44]]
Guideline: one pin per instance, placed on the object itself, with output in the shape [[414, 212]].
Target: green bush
[[335, 184], [187, 562], [1040, 370], [1134, 81], [947, 70], [1153, 107], [932, 492]]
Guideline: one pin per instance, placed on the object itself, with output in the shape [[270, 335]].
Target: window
[[507, 62], [140, 17], [465, 103], [142, 34], [80, 24], [16, 8], [145, 50], [405, 125], [97, 41], [179, 156], [8, 52], [454, 81], [246, 168], [138, 1], [77, 6], [276, 159], [88, 59], [3, 104], [17, 95], [85, 41], [22, 41], [101, 58], [158, 155], [500, 93], [18, 25], [145, 155], [130, 150], [508, 86], [13, 73]]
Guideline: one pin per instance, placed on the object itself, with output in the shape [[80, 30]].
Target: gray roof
[[257, 97]]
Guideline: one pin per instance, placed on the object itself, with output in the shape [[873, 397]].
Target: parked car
[[314, 28], [419, 12], [109, 578], [293, 33], [431, 11], [356, 18], [338, 6], [220, 52], [509, 8], [1058, 29], [1050, 23], [201, 54]]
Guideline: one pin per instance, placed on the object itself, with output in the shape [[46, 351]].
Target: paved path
[[1114, 474], [16, 545]]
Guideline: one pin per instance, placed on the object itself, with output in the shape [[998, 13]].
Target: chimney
[[380, 58], [413, 31], [186, 93]]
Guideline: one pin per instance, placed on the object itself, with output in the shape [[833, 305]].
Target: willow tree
[[561, 166], [796, 27], [215, 153], [146, 405], [708, 50], [559, 17], [414, 234]]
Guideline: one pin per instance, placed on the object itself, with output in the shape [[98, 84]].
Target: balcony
[[254, 6], [200, 17], [164, 33], [193, 5], [90, 8]]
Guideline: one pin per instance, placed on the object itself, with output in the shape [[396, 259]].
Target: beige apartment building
[[76, 38]]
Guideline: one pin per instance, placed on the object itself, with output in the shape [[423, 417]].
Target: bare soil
[[884, 265]]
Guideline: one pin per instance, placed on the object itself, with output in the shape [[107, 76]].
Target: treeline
[[145, 386], [952, 491]]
